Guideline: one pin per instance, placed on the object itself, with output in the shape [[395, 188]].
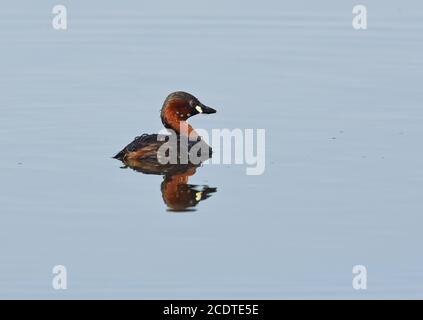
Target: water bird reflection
[[144, 153], [177, 193]]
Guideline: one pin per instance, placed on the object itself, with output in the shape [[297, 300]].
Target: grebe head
[[178, 107]]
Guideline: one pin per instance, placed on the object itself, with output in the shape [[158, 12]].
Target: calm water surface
[[343, 116]]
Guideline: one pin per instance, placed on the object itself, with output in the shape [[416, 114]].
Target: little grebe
[[177, 108]]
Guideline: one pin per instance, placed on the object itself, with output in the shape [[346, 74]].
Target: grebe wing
[[148, 144], [138, 143]]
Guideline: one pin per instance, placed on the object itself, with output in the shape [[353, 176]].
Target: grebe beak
[[204, 109]]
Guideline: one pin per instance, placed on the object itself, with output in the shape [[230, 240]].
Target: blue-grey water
[[342, 109]]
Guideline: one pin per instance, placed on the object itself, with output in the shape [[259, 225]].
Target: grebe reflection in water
[[177, 193], [142, 154]]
